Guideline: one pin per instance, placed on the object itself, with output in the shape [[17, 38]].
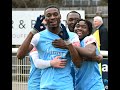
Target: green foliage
[[104, 2]]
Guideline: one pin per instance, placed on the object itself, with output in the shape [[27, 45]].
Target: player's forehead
[[51, 10], [73, 15], [82, 23]]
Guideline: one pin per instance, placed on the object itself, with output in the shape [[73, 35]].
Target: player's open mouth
[[53, 23], [79, 33]]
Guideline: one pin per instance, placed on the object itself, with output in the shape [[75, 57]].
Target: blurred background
[[91, 7]]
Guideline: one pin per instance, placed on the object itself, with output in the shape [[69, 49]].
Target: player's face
[[52, 17], [81, 29], [71, 20]]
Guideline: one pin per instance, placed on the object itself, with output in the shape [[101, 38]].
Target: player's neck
[[54, 30]]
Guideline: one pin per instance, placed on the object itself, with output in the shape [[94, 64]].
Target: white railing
[[104, 53], [20, 71], [14, 50]]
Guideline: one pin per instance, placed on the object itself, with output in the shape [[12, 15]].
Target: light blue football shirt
[[54, 78], [88, 76], [34, 78]]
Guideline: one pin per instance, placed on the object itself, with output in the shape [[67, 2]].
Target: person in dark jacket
[[103, 32]]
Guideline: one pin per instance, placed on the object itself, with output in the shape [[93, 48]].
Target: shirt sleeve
[[75, 40], [90, 39], [35, 39], [39, 63]]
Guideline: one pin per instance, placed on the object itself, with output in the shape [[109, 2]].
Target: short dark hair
[[74, 12], [89, 24], [52, 6]]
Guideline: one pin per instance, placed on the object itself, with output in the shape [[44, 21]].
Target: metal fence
[[21, 68], [20, 73]]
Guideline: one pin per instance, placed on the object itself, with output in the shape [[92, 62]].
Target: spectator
[[100, 33]]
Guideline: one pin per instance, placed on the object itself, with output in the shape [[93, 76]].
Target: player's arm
[[41, 64], [76, 59], [90, 55], [26, 46], [97, 58], [56, 63], [59, 43], [89, 51]]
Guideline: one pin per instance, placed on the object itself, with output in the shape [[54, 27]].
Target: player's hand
[[64, 35], [57, 62], [59, 43], [39, 26], [99, 58]]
